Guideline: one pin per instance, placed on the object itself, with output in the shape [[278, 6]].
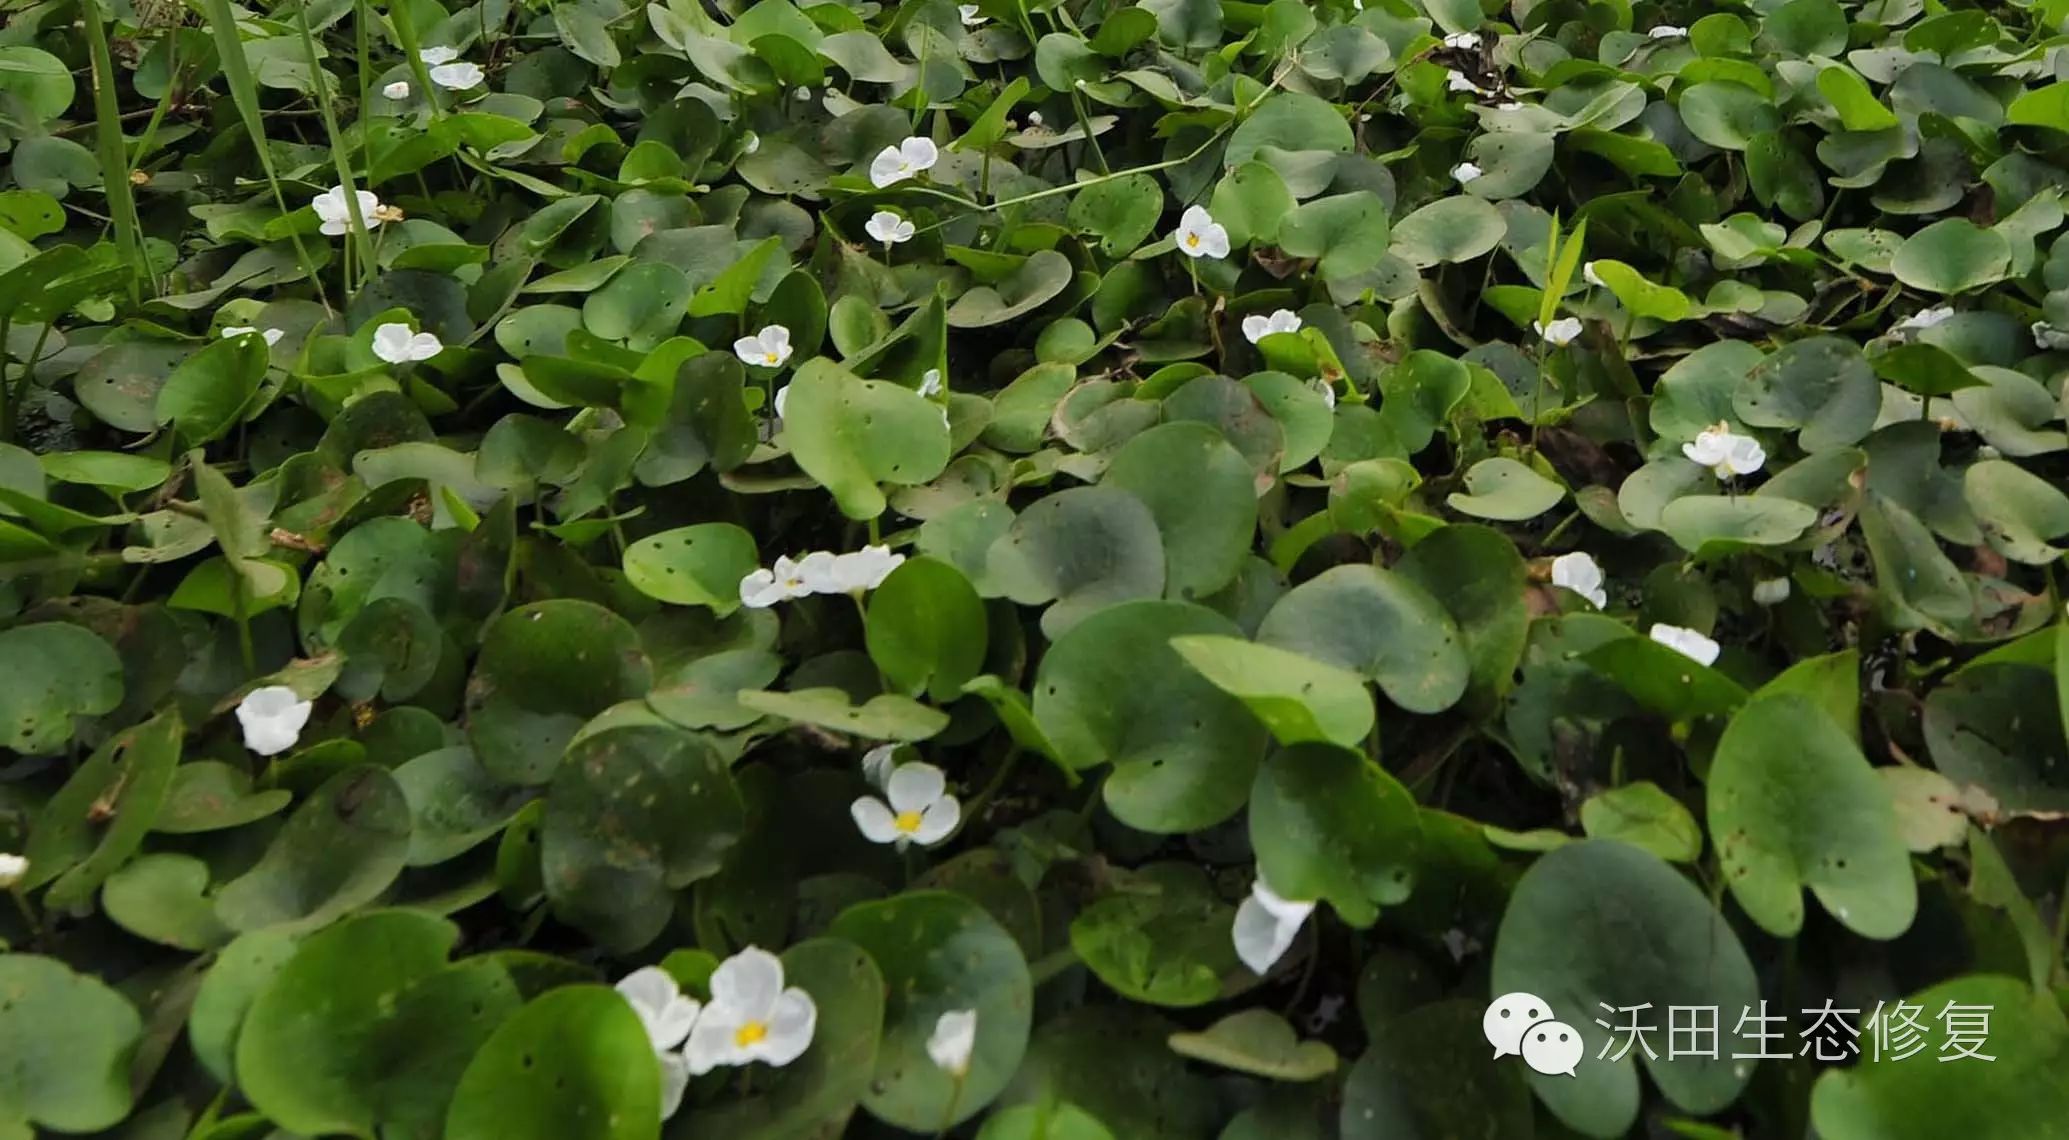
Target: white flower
[[1668, 32], [433, 56], [878, 763], [1034, 118], [1771, 591], [1455, 81], [1686, 642], [1587, 274], [1559, 332], [2047, 336], [396, 344], [820, 571], [969, 13], [1465, 172], [1266, 925], [930, 382], [272, 335], [336, 214], [668, 1016], [1256, 328], [751, 1016], [768, 348], [804, 94], [1924, 319], [865, 569], [764, 588], [272, 718], [12, 868], [782, 398], [751, 143], [953, 1040], [1199, 235], [1725, 452], [396, 90], [921, 810], [1465, 41], [458, 76], [895, 164], [888, 228], [1579, 572], [1328, 391]]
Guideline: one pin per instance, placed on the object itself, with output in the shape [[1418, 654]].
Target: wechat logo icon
[[1521, 1024]]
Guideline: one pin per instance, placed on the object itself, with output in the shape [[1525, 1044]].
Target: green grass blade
[[114, 157], [358, 234], [244, 91]]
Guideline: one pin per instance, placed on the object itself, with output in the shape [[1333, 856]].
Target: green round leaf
[[1458, 228], [1794, 804], [544, 669], [1327, 823], [1289, 120], [52, 673], [1113, 690], [1501, 488], [1085, 549], [850, 435], [939, 953], [1379, 625], [1203, 496], [1298, 698], [633, 815], [337, 852], [1260, 1043], [1727, 115], [574, 1061], [926, 629], [1632, 931], [1952, 255], [1162, 938], [698, 565], [367, 1027], [69, 1040]]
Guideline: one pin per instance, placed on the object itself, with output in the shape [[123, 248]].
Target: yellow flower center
[[750, 1033], [907, 822], [1192, 241], [771, 358]]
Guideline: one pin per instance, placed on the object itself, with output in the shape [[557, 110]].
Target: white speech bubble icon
[[1508, 1016], [1553, 1048]]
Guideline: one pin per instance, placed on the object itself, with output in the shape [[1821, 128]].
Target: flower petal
[[1260, 938], [878, 764], [746, 984], [914, 787], [791, 1024], [938, 820], [887, 168], [953, 1040], [649, 989], [392, 342], [675, 1080], [877, 822], [919, 153], [760, 590], [711, 1043]]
